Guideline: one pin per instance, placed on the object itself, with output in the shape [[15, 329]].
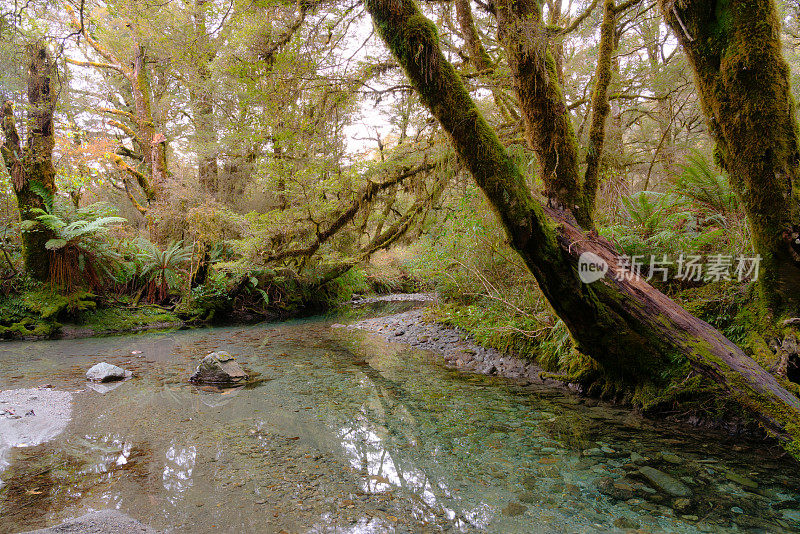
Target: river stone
[[664, 482], [514, 508], [624, 523], [681, 504], [637, 458], [105, 372], [619, 489], [744, 481], [220, 369]]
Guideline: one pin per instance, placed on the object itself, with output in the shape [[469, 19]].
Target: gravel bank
[[457, 349], [29, 417], [101, 522]]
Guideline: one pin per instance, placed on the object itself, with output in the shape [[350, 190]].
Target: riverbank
[[457, 349]]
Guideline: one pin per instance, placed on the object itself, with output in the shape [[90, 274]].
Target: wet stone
[[742, 481], [625, 523], [514, 509], [665, 482], [105, 372], [219, 369], [671, 458], [681, 504]]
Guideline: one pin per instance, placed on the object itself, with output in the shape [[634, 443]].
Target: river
[[346, 432]]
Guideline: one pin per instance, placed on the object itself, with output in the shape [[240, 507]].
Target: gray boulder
[[219, 369], [105, 372]]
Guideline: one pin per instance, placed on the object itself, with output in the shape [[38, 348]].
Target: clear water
[[348, 433]]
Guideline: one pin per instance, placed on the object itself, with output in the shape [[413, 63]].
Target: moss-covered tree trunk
[[627, 326], [743, 80], [31, 166], [548, 126], [201, 96], [600, 105], [153, 143], [477, 53]]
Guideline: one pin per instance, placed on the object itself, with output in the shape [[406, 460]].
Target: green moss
[[743, 83], [728, 306], [114, 320], [36, 313]]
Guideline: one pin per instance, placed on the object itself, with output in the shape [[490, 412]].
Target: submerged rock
[[105, 372], [219, 369], [514, 508], [665, 483], [743, 481]]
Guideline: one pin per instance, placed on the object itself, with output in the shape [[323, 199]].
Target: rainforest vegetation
[[210, 161]]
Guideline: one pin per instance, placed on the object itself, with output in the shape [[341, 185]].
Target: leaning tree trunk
[[743, 80], [31, 167], [630, 328]]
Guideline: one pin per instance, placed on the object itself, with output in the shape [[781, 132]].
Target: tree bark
[[548, 126], [477, 53], [154, 144], [202, 101], [743, 81], [632, 330], [31, 167], [600, 105]]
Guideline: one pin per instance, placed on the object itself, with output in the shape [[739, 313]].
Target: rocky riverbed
[[455, 347], [29, 417]]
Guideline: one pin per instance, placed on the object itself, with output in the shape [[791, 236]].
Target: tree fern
[[80, 252], [161, 269], [706, 187]]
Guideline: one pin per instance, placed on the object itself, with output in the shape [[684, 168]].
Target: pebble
[[514, 508], [637, 458], [671, 458]]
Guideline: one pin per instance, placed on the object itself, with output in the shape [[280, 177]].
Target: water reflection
[[178, 470], [353, 434]]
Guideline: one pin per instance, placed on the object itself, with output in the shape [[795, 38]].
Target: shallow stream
[[345, 432]]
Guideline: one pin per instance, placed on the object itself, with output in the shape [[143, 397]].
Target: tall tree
[[548, 125], [31, 166], [743, 80]]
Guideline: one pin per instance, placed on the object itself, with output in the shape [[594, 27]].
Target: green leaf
[[55, 244], [264, 295], [27, 226]]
